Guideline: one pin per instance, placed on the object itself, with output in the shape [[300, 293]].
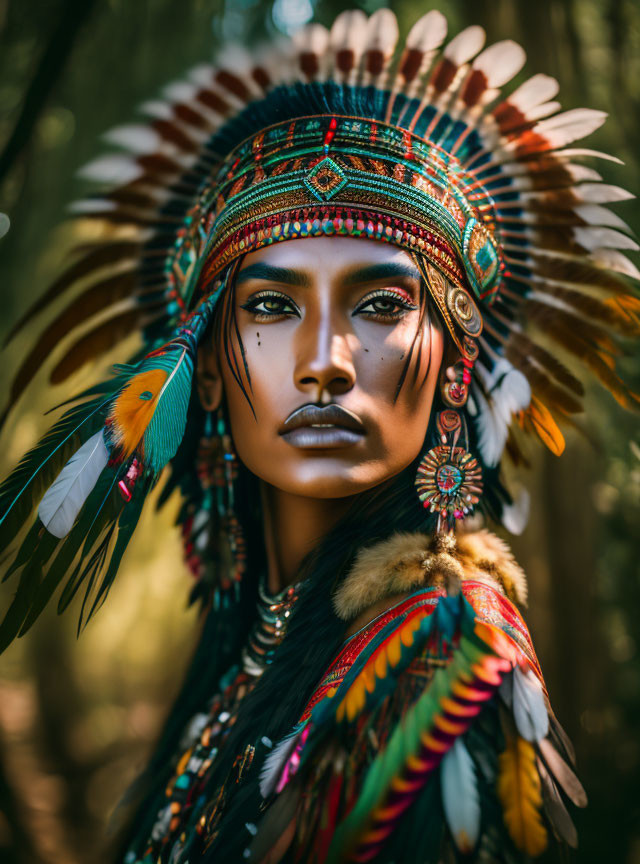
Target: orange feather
[[545, 426], [134, 407]]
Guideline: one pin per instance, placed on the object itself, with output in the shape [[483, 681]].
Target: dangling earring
[[455, 389], [213, 537], [226, 472], [449, 478]]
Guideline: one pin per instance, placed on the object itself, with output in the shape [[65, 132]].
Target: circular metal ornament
[[464, 311], [449, 482]]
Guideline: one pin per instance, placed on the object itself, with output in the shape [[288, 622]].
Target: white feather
[[542, 110], [201, 75], [569, 126], [64, 499], [348, 33], [534, 91], [500, 62], [611, 259], [158, 109], [426, 36], [516, 515], [603, 238], [111, 169], [382, 35], [313, 39], [460, 796], [601, 193], [428, 32], [529, 707], [570, 152], [509, 393], [135, 137], [594, 214], [274, 764], [91, 205], [465, 45]]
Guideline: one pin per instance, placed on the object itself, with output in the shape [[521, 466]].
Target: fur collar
[[405, 562]]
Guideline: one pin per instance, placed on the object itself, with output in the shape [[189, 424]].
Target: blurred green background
[[77, 718]]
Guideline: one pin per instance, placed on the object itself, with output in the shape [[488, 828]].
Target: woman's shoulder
[[433, 711], [397, 577]]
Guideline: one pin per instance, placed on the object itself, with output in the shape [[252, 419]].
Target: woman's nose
[[324, 362]]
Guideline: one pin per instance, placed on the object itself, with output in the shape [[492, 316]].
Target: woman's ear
[[208, 379]]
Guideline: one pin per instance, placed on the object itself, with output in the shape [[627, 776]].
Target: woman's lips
[[322, 437], [322, 427]]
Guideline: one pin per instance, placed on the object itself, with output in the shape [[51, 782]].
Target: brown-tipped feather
[[93, 300], [541, 382], [578, 271], [93, 259], [556, 812], [567, 332], [557, 370], [233, 84], [100, 339], [560, 324], [173, 133], [213, 101], [564, 776]]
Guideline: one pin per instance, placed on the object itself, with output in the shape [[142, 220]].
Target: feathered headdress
[[339, 132]]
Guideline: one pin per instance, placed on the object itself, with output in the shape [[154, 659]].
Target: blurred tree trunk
[[60, 706], [15, 841]]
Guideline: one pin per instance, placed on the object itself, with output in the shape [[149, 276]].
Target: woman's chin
[[329, 477]]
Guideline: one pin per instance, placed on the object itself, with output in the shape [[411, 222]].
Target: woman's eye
[[384, 305], [270, 305]]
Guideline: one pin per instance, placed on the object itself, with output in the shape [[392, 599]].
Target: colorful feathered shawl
[[431, 730]]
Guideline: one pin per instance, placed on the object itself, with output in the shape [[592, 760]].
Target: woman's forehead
[[329, 255]]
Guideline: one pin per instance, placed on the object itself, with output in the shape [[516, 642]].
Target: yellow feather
[[394, 649], [133, 409], [520, 795], [381, 664]]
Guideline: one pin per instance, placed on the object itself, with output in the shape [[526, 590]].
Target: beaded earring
[[449, 478], [226, 472], [215, 528]]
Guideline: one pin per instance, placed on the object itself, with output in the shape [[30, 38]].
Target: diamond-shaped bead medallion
[[325, 179]]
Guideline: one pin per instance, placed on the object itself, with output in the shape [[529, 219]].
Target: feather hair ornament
[[89, 513]]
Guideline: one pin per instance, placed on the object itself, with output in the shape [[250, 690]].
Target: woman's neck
[[293, 525]]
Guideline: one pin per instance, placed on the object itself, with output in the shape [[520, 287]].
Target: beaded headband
[[345, 176]]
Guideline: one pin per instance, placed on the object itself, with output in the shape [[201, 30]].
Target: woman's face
[[342, 362]]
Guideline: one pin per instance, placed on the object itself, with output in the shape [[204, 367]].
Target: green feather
[[30, 579], [83, 534], [40, 466]]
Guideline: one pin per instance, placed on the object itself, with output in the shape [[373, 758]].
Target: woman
[[365, 687]]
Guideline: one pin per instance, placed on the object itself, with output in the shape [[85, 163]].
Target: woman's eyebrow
[[384, 270], [268, 273]]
